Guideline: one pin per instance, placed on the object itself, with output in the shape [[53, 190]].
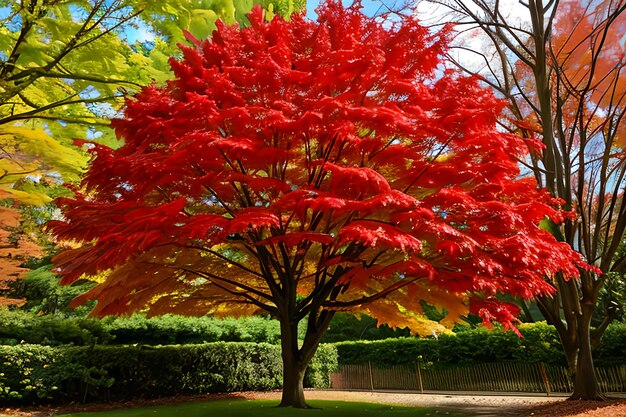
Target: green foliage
[[65, 67], [612, 349], [323, 364], [539, 344], [44, 295], [33, 374], [612, 297], [282, 7], [20, 326], [172, 329], [170, 18], [24, 373], [388, 352], [345, 326], [60, 60], [23, 327]]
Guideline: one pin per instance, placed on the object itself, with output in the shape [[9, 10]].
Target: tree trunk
[[295, 362], [574, 333], [586, 385], [296, 359], [580, 364], [293, 382]]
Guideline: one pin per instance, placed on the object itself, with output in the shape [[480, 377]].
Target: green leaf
[[549, 226]]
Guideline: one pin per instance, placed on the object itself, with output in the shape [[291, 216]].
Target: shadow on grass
[[238, 407], [69, 409]]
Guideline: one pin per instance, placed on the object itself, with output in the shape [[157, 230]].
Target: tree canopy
[[15, 250], [301, 168]]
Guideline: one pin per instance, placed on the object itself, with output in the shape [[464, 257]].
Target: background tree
[[15, 250], [562, 68], [302, 168]]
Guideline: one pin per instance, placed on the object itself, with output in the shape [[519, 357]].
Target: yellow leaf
[[395, 316], [35, 199], [99, 278], [54, 156]]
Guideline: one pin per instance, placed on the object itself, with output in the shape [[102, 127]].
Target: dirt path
[[486, 405], [480, 404]]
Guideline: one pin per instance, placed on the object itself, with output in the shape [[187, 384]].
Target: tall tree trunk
[[586, 385], [574, 333], [293, 381], [295, 362], [296, 359]]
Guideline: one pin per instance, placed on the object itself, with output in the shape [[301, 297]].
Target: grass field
[[259, 408]]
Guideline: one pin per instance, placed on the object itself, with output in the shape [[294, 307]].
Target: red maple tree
[[299, 168]]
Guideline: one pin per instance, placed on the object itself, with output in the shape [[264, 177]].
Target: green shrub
[[172, 329], [25, 373], [345, 326], [23, 327], [34, 374], [540, 343], [612, 349], [323, 364], [44, 295], [387, 352], [194, 369], [20, 326], [479, 345]]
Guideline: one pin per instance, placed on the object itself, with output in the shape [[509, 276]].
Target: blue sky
[[370, 7]]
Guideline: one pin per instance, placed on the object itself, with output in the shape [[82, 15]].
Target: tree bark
[[293, 382], [586, 385], [574, 334], [295, 362], [296, 358]]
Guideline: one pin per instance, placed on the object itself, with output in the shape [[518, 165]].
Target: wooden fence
[[504, 377]]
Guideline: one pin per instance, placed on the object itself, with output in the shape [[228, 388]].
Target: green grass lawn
[[238, 408]]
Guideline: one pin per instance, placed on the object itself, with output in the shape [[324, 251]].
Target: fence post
[[371, 376], [544, 376], [419, 374]]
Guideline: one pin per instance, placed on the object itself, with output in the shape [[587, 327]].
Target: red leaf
[[495, 310], [191, 38], [379, 235]]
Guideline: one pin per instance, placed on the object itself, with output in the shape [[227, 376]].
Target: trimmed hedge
[[31, 374], [539, 344], [23, 327], [172, 329]]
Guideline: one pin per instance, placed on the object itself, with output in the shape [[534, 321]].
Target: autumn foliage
[[301, 168], [326, 158], [588, 47], [15, 250]]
